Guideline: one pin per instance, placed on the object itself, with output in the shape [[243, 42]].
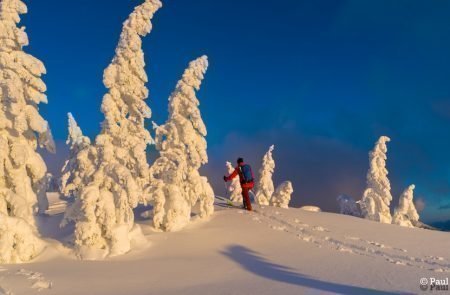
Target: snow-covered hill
[[269, 251]]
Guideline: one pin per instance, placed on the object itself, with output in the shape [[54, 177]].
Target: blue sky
[[322, 80]]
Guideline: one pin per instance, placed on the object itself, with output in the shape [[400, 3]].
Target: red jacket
[[236, 172]]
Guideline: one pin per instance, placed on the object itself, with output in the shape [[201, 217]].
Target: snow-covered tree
[[234, 189], [264, 186], [78, 169], [22, 129], [348, 206], [377, 197], [113, 172], [175, 183], [282, 195], [72, 176], [406, 214]]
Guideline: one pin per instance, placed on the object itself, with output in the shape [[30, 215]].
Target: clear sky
[[322, 80]]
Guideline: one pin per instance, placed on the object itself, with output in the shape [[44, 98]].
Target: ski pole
[[226, 190]]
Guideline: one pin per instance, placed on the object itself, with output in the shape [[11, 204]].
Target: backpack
[[247, 174]]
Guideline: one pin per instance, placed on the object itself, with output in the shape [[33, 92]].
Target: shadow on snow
[[254, 263]]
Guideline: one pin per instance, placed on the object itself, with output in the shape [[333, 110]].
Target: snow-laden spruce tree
[[406, 214], [264, 186], [175, 183], [114, 170], [22, 129], [78, 169], [377, 197], [282, 196], [73, 176], [234, 189]]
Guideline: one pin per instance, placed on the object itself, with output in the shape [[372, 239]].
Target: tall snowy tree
[[78, 168], [22, 129], [176, 184], [377, 197], [264, 186], [282, 196], [234, 189], [72, 176], [406, 214], [117, 169]]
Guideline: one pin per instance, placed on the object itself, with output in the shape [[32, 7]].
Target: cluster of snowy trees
[[109, 177], [376, 200], [265, 193]]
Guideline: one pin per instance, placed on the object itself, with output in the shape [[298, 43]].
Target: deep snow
[[269, 251]]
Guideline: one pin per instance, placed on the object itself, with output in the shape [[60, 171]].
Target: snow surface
[[269, 251]]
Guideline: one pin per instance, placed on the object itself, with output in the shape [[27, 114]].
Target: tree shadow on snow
[[254, 263]]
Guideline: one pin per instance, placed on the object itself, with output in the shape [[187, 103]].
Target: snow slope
[[269, 251]]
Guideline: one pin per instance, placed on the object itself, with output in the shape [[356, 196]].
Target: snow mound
[[311, 208]]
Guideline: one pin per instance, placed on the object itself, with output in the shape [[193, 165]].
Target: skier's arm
[[233, 175]]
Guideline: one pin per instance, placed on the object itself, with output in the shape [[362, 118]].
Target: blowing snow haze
[[321, 80]]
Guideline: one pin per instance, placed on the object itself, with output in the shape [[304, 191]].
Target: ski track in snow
[[3, 289], [38, 281], [322, 237]]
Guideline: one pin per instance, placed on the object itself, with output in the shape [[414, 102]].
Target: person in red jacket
[[247, 181]]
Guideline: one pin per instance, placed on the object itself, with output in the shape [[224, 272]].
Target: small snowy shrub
[[282, 195], [406, 214]]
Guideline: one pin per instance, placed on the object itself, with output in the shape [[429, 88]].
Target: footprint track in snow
[[311, 234], [39, 282]]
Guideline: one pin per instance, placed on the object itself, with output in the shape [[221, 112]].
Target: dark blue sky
[[322, 80]]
